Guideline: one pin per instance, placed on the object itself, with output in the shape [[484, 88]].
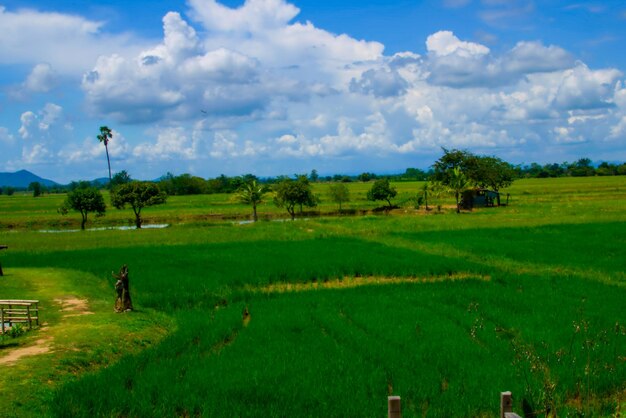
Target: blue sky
[[272, 87]]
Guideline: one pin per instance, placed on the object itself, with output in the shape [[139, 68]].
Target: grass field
[[444, 310]]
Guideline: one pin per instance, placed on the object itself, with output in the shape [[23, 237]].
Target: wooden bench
[[15, 311]]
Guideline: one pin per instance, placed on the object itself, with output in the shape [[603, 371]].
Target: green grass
[[538, 312], [583, 199]]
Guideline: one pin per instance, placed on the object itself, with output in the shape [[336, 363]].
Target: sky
[[276, 87]]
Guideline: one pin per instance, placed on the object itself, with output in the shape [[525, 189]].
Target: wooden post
[[2, 247], [30, 324], [2, 317], [506, 403], [393, 407]]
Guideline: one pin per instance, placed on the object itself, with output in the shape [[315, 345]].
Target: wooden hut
[[480, 198]]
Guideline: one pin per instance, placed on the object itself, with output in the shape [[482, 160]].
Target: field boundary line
[[509, 265], [348, 282]]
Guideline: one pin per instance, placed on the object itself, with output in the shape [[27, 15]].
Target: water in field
[[106, 228]]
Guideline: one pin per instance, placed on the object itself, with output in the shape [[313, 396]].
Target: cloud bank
[[253, 83]]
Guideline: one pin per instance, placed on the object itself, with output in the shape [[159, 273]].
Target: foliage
[[84, 200], [365, 177], [435, 189], [491, 173], [481, 171], [457, 182], [339, 193], [451, 159], [120, 178], [252, 194], [413, 174], [36, 188], [81, 184], [382, 190], [17, 330], [137, 195], [289, 193], [185, 184], [104, 137]]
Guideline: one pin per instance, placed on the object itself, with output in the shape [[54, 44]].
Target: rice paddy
[[443, 310]]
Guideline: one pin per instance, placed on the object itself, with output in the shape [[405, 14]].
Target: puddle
[[106, 228]]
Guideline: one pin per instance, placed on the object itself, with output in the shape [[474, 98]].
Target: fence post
[[506, 403], [393, 407], [30, 324], [2, 247], [2, 318]]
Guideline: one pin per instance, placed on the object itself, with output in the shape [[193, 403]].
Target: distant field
[[531, 197], [444, 310]]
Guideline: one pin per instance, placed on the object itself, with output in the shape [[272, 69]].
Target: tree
[[339, 193], [435, 190], [104, 137], [457, 183], [252, 194], [314, 177], [84, 200], [382, 190], [35, 187], [289, 193], [582, 168], [425, 191], [482, 171], [120, 178], [450, 160], [137, 194], [492, 173], [365, 177]]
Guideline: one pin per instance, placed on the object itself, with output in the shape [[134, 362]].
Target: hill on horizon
[[22, 178]]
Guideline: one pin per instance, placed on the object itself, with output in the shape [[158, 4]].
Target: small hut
[[481, 198]]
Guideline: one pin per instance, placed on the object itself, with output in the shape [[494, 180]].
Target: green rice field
[[444, 310]]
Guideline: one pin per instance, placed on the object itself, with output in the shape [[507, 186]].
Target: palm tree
[[105, 136], [457, 183], [252, 194]]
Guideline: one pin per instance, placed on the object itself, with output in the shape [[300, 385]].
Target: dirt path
[[71, 306]]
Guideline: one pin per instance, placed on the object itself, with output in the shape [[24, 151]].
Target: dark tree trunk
[[123, 302], [137, 218], [254, 215]]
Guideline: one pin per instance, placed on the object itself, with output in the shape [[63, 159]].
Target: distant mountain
[[22, 178]]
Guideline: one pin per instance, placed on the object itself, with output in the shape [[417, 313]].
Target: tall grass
[[340, 353]]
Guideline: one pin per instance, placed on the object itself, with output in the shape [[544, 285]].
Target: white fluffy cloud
[[41, 79], [171, 143], [91, 149], [37, 124], [237, 85], [68, 43]]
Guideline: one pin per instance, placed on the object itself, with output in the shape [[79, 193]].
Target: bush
[[16, 330]]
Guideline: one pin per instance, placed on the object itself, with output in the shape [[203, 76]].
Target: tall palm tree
[[457, 183], [252, 194], [105, 136]]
